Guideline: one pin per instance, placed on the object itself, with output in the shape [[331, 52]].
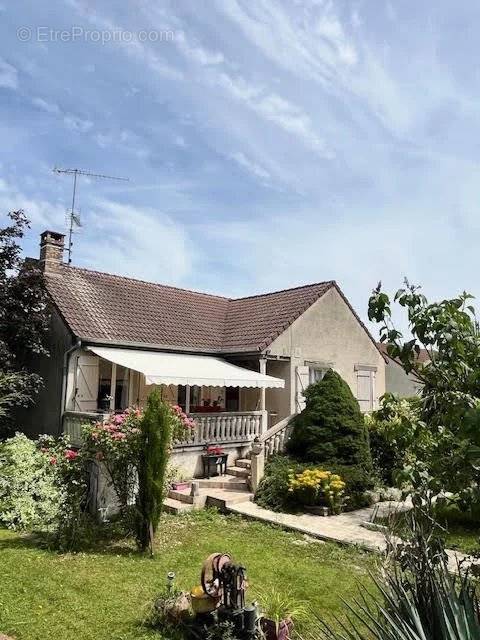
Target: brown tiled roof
[[103, 307]]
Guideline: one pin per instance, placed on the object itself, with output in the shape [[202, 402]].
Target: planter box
[[180, 486]]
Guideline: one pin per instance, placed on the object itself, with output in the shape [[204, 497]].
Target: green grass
[[103, 594], [461, 530], [462, 539]]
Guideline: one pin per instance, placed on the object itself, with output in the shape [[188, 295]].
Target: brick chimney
[[52, 245]]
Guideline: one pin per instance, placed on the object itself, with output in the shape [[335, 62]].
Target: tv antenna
[[74, 216]]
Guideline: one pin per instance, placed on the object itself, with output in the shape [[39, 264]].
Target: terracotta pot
[[179, 486], [269, 628]]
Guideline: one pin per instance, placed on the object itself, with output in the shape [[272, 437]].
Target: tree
[[331, 430], [450, 394], [24, 321], [156, 436]]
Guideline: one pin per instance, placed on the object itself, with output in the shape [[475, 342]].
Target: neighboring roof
[[422, 357], [114, 309]]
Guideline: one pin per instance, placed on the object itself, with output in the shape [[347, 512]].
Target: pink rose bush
[[183, 425], [116, 442]]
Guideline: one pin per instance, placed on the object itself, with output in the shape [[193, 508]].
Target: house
[[397, 382], [238, 366]]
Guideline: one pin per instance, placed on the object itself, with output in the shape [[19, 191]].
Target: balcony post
[[187, 399], [263, 370]]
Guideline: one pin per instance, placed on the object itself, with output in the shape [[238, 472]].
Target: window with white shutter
[[366, 394]]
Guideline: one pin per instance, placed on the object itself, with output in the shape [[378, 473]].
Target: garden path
[[345, 528]]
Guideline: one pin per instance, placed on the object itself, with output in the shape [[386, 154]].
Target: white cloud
[[254, 168], [49, 107], [276, 109], [40, 212], [197, 53], [138, 242], [133, 48], [8, 75], [76, 123]]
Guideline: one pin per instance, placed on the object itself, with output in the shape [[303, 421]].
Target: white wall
[[328, 332]]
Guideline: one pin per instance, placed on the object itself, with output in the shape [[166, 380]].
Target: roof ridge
[[155, 284], [274, 293]]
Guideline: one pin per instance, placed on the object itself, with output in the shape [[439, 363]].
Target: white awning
[[176, 368]]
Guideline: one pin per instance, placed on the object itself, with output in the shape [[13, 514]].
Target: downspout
[[66, 362]]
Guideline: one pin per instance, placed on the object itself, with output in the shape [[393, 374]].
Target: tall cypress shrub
[[331, 430], [156, 436]]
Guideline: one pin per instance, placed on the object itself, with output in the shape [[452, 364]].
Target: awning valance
[[177, 368]]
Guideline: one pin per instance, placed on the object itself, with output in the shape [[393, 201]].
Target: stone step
[[240, 472], [232, 483], [222, 499], [176, 506], [243, 462]]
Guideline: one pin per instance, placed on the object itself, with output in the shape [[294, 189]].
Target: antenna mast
[[73, 217]]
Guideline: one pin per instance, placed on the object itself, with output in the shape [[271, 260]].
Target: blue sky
[[268, 144]]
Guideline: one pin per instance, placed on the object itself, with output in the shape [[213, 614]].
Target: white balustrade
[[221, 427], [275, 439], [238, 426]]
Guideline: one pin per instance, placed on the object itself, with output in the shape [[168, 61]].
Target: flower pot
[[269, 628], [180, 486], [202, 602]]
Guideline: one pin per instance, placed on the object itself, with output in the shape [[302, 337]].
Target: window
[[108, 372], [195, 393], [121, 388], [104, 383], [366, 394], [315, 374]]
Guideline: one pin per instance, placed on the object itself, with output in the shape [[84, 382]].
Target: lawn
[[460, 530], [103, 594]]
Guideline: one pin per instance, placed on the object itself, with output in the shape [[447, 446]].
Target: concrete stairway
[[241, 468], [219, 491]]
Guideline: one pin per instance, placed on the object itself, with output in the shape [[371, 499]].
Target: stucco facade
[[328, 334], [398, 382]]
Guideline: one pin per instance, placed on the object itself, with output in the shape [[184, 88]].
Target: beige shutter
[[87, 383], [366, 389], [302, 382]]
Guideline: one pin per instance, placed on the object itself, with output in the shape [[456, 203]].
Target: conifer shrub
[[155, 443], [331, 428], [331, 432]]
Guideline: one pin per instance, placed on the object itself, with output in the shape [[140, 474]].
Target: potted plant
[[320, 492], [279, 610], [181, 482]]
